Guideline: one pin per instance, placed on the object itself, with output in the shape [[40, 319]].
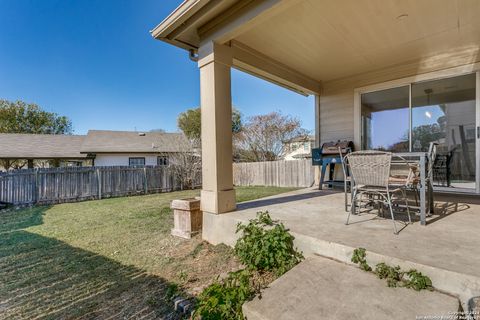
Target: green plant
[[393, 274], [417, 281], [360, 257], [224, 299], [182, 275], [266, 245], [172, 291]]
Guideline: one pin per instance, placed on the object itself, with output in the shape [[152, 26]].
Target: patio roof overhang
[[301, 44]]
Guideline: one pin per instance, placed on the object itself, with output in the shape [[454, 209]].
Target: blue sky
[[95, 62]]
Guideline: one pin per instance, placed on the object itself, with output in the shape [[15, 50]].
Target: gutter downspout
[[192, 55]]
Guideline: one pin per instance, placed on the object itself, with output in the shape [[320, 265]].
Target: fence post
[[99, 181], [36, 190], [145, 179]]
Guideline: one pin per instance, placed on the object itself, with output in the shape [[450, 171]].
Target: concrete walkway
[[319, 288]]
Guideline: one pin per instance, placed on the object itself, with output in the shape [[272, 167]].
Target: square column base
[[218, 201]]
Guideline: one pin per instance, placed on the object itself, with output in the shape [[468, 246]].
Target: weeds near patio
[[224, 299], [359, 257], [266, 245], [266, 249], [395, 277]]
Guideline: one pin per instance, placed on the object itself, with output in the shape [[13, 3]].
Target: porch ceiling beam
[[239, 18], [251, 61]]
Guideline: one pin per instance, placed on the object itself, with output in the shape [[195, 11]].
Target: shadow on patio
[[283, 199], [42, 277]]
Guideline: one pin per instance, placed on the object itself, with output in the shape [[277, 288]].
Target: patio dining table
[[422, 159]]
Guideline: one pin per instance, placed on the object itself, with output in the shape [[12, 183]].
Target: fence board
[[56, 185], [295, 173]]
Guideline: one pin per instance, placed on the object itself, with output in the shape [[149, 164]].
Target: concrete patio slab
[[320, 288], [447, 249]]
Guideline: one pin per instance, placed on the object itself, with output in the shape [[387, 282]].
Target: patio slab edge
[[463, 286]]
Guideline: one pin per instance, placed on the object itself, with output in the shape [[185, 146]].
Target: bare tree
[[263, 137], [15, 164], [187, 163]]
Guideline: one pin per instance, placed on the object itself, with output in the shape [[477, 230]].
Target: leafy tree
[[21, 117], [263, 137], [190, 122]]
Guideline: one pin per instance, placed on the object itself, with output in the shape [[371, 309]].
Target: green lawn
[[107, 258]]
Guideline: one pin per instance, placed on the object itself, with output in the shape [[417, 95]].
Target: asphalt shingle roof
[[104, 141], [40, 146]]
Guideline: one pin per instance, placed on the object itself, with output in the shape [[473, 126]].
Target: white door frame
[[434, 75]]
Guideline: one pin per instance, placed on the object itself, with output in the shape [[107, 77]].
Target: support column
[[317, 121], [218, 195], [317, 135]]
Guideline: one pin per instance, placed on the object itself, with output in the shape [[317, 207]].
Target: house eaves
[[180, 27]]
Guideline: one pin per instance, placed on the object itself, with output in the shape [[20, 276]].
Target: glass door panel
[[385, 120], [444, 112]]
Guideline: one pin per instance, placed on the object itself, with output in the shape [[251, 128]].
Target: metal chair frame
[[370, 174]]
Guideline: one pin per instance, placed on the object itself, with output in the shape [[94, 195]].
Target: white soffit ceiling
[[333, 39]]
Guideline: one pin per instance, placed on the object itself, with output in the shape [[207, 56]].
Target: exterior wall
[[337, 98], [105, 160]]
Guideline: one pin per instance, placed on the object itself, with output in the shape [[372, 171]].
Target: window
[[443, 112], [162, 161], [385, 119], [136, 161]]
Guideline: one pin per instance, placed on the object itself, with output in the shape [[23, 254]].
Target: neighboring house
[[128, 148], [299, 148], [381, 71], [98, 148], [42, 150]]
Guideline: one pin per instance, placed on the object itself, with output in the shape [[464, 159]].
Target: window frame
[[165, 161], [136, 158]]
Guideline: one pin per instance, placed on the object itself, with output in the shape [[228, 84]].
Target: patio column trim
[[217, 195], [317, 121]]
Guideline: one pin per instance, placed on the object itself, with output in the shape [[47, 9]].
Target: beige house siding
[[336, 116], [337, 119]]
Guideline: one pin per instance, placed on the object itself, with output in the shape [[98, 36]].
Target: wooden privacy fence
[[55, 185], [295, 173]]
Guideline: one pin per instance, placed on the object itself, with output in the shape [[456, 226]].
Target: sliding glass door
[[410, 117]]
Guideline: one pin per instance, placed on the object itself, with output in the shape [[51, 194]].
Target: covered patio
[[447, 250], [376, 68]]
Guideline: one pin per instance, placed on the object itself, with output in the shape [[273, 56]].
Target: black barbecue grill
[[330, 154]]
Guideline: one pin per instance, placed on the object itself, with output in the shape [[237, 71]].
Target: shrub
[[266, 245], [224, 299]]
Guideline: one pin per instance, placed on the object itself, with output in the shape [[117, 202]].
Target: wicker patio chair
[[370, 173], [411, 177]]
